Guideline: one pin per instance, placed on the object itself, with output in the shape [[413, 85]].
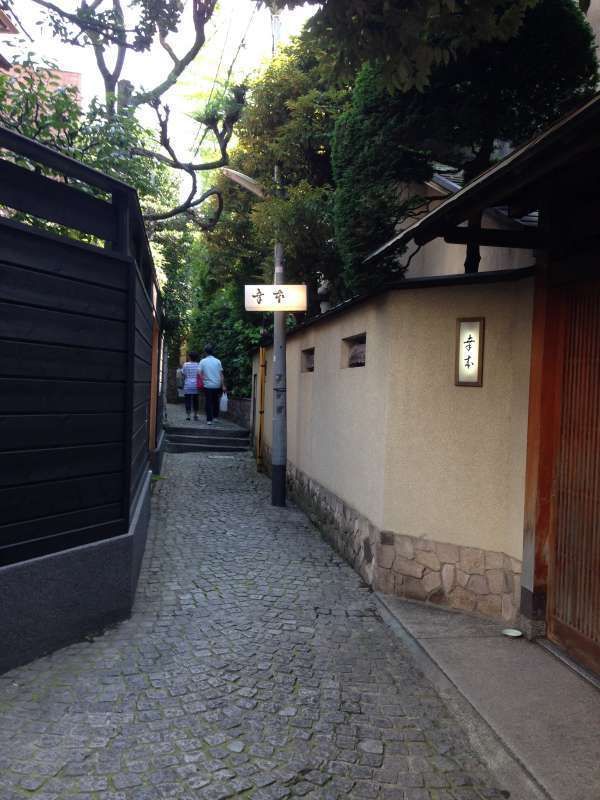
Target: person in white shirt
[[214, 383]]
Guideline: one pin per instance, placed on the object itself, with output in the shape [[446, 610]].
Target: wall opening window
[[307, 361], [354, 350]]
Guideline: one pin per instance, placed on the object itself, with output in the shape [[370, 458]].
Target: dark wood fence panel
[[28, 247], [42, 500], [23, 359], [64, 374], [27, 431], [25, 190]]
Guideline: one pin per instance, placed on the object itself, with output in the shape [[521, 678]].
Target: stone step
[[209, 440], [182, 447], [217, 430]]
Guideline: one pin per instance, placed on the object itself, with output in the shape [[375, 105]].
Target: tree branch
[[201, 11], [189, 207], [92, 25]]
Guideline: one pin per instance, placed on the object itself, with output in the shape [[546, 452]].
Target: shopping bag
[[199, 381], [223, 403]]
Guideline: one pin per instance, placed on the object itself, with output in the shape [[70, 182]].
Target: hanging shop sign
[[277, 297], [469, 351]]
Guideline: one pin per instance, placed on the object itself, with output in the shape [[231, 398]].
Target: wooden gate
[[573, 612]]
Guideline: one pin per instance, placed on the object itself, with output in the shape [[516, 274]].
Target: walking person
[[214, 383], [190, 371]]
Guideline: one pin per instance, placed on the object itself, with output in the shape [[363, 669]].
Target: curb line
[[505, 766]]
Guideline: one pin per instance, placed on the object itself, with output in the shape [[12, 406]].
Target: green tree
[[492, 98], [289, 121], [34, 104], [375, 170], [407, 40], [112, 29]]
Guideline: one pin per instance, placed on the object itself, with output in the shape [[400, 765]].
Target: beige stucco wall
[[336, 416], [397, 440], [456, 455]]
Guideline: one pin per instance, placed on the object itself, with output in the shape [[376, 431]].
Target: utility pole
[[279, 442]]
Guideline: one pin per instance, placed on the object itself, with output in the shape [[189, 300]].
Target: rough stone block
[[387, 537], [412, 587], [508, 609], [496, 580], [431, 581], [494, 560], [512, 565], [463, 599], [404, 546], [406, 567], [385, 555], [428, 559], [447, 553], [448, 577], [425, 544], [462, 578], [491, 605], [478, 584], [472, 560]]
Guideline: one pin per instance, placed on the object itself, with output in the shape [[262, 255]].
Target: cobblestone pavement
[[254, 666]]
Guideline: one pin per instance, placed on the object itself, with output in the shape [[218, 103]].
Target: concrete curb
[[505, 766]]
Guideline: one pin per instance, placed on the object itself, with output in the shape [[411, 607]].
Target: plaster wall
[[336, 415], [455, 456], [396, 440]]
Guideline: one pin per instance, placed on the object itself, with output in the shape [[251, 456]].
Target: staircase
[[216, 439]]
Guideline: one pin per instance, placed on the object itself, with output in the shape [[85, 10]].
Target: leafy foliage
[[489, 99], [221, 321], [372, 165], [289, 121], [405, 39], [505, 91], [34, 104]]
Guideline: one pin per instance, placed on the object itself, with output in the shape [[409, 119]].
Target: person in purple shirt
[[190, 384]]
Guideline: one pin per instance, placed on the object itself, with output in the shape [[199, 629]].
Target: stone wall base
[[466, 578]]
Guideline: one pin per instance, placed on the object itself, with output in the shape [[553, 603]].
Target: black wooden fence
[[77, 327]]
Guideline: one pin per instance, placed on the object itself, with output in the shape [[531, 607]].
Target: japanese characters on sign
[[279, 297], [469, 351]]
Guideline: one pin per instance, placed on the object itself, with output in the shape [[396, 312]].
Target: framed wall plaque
[[469, 351]]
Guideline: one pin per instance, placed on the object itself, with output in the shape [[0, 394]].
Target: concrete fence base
[[58, 599]]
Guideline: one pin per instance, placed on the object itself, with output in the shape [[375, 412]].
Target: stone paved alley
[[255, 665]]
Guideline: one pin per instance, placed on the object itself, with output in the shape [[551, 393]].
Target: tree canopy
[[114, 28], [485, 102], [407, 40], [35, 104]]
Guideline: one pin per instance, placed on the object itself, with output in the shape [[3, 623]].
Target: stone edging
[[466, 578]]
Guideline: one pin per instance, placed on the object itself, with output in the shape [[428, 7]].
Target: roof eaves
[[455, 208], [406, 284]]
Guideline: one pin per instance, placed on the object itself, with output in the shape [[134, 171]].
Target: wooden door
[[574, 564]]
